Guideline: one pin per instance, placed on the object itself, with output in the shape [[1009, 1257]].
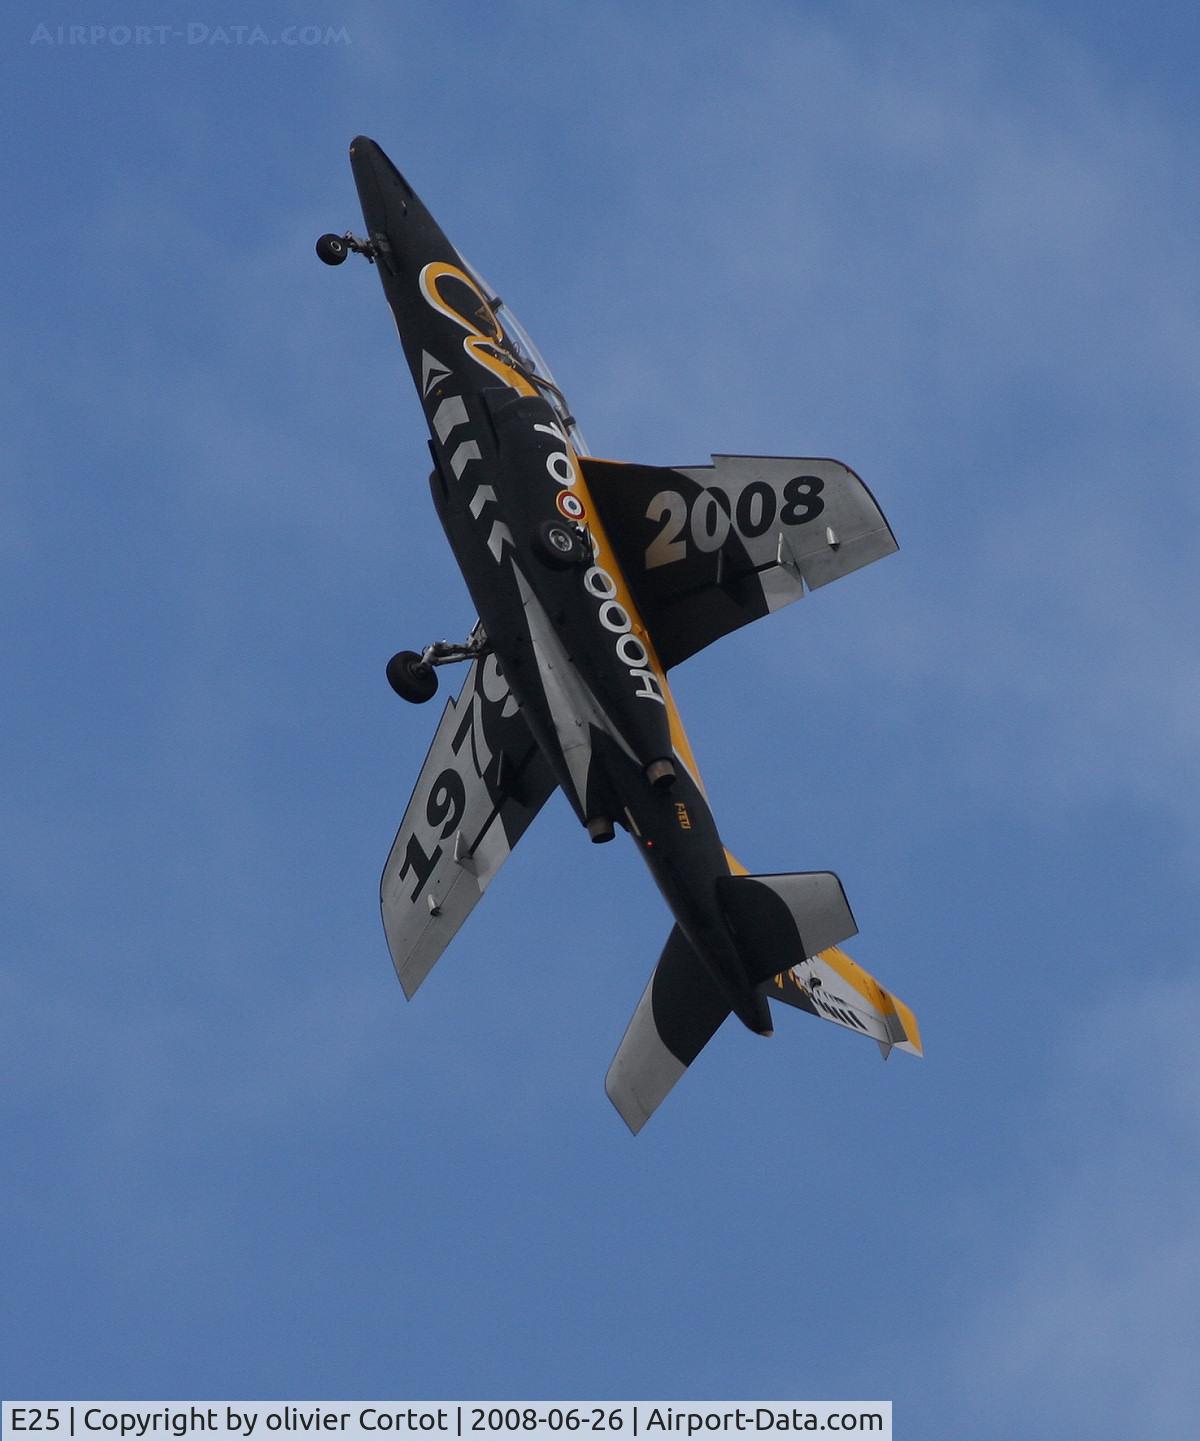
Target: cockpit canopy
[[518, 341]]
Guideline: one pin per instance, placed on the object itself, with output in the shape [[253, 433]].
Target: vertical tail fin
[[787, 928], [778, 920]]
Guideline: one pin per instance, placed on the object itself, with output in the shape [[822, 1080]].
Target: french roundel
[[571, 506]]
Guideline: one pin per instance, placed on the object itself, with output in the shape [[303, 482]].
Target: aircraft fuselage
[[558, 613]]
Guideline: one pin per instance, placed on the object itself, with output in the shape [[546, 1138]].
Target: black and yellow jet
[[592, 579]]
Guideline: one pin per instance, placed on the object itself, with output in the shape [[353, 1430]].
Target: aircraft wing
[[483, 781], [713, 547]]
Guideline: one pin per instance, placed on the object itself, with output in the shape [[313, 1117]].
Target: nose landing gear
[[333, 249]]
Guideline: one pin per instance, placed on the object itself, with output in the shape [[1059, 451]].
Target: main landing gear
[[561, 545], [333, 249], [411, 673]]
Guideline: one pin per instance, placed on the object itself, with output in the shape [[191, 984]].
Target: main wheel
[[332, 249], [559, 545], [411, 678]]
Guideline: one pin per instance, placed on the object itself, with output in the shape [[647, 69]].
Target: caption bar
[[366, 1420]]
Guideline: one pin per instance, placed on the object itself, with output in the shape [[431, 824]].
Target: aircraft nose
[[387, 198], [369, 160], [382, 191], [363, 149]]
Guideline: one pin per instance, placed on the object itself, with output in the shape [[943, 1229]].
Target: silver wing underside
[[707, 549], [483, 781]]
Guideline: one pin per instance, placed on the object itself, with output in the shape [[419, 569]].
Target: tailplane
[[836, 988], [788, 929], [679, 1013]]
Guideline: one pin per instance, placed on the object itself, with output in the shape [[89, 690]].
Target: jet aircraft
[[592, 579]]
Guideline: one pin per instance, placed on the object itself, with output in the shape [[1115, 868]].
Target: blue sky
[[953, 246]]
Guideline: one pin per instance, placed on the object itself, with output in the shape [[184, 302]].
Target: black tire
[[411, 678], [332, 249], [560, 545]]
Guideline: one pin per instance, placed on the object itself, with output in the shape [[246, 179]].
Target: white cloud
[[1090, 1322]]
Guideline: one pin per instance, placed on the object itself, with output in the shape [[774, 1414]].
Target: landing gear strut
[[411, 673], [333, 249]]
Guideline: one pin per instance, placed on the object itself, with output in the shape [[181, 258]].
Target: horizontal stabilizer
[[787, 929], [836, 988], [679, 1013], [778, 920]]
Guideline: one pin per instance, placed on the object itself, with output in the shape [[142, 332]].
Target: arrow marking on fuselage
[[499, 535], [432, 370], [462, 457], [483, 493], [451, 412], [496, 540]]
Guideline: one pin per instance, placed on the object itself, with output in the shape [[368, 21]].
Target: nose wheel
[[333, 249]]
